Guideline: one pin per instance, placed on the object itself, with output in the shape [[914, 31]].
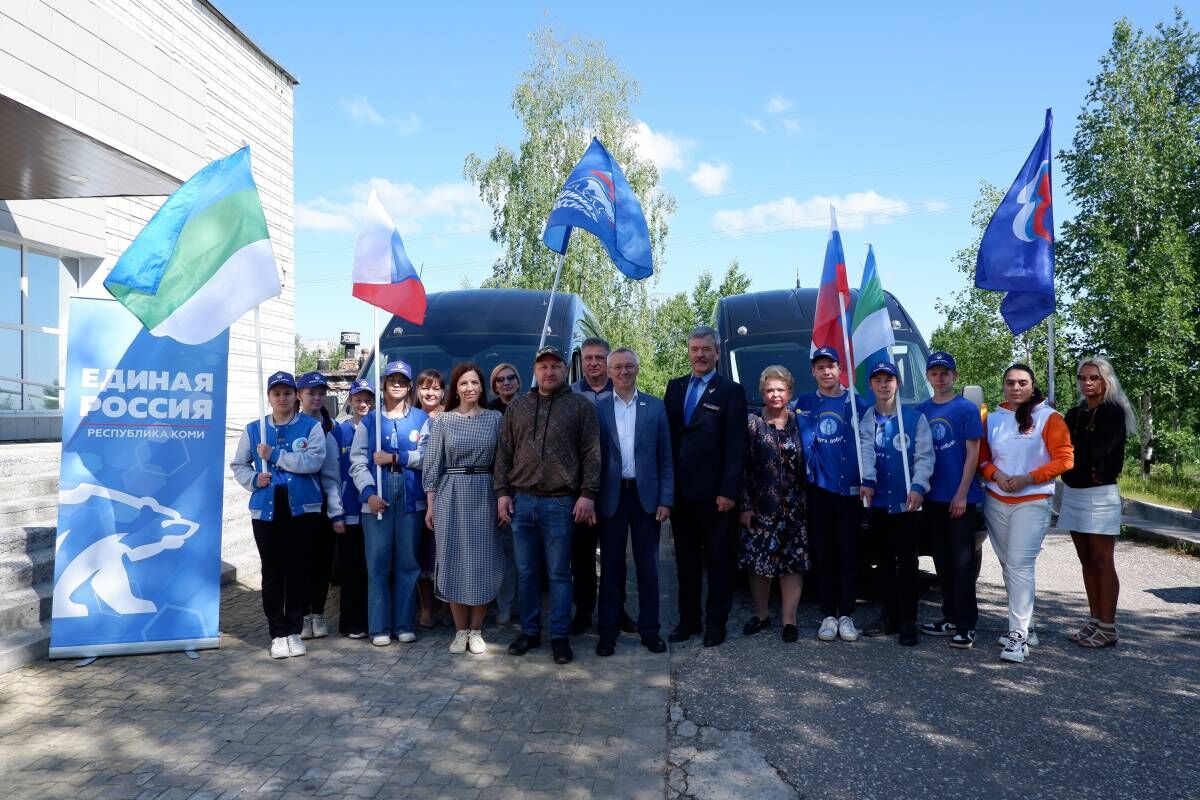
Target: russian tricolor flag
[[383, 275], [827, 321]]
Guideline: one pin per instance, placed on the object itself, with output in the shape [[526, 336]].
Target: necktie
[[692, 399]]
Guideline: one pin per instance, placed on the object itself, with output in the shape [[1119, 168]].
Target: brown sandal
[[1100, 638], [1089, 628]]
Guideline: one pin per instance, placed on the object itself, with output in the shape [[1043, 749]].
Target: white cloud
[[443, 208], [662, 149], [854, 210], [360, 110], [754, 124], [710, 178], [935, 206], [777, 104], [792, 126]]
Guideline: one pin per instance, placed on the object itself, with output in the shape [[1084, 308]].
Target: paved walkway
[[753, 718]]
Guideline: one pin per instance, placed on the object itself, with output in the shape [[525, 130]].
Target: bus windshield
[[749, 360]]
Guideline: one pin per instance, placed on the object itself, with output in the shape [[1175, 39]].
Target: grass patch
[[1163, 487]]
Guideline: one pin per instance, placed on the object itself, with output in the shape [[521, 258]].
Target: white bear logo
[[103, 561]]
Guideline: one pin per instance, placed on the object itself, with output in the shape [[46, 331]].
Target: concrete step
[[17, 459], [24, 646], [35, 483], [19, 540], [28, 509], [25, 570], [24, 607], [1187, 539]]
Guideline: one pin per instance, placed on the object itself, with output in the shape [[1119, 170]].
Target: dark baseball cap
[[361, 385], [825, 352], [885, 366], [550, 350], [941, 358], [284, 378], [398, 367], [311, 380]]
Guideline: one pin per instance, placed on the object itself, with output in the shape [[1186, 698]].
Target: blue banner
[[137, 565]]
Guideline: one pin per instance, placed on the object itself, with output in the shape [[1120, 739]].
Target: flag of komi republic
[[1016, 254], [871, 329], [597, 198], [827, 320], [203, 260], [383, 275]]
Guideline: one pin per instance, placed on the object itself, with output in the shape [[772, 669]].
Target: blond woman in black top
[[1091, 503]]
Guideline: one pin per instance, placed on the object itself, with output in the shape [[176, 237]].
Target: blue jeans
[[507, 596], [542, 529], [392, 566]]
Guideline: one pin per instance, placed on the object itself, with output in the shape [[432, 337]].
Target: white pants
[[1016, 531]]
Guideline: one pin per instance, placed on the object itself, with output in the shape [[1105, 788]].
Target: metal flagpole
[[853, 393], [380, 399], [900, 423], [550, 305], [262, 393], [1050, 357]]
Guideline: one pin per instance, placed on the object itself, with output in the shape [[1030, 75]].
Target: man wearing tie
[[707, 416], [636, 494]]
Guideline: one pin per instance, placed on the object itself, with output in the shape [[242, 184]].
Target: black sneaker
[[606, 647], [562, 650], [713, 637], [684, 632], [755, 625], [908, 634], [654, 644], [790, 633], [943, 627], [963, 640], [524, 643]]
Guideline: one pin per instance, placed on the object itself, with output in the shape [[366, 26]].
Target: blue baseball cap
[[885, 366], [311, 380], [278, 378], [941, 359], [361, 385], [825, 352], [398, 367]]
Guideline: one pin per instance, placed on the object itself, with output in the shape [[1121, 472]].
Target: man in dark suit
[[707, 416], [637, 486]]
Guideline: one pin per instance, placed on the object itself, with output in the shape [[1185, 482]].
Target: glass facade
[[34, 288]]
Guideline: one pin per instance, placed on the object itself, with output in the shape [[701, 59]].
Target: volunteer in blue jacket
[[834, 509], [351, 555], [392, 515], [285, 505], [954, 495], [894, 505], [313, 389]]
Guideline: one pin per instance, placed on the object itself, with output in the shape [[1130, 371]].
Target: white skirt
[[1096, 509]]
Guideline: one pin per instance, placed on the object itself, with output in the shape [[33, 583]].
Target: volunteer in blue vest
[[351, 555], [1026, 445], [393, 515], [313, 389], [285, 505], [954, 496], [890, 435], [834, 509]]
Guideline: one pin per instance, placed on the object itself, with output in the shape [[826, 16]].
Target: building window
[[34, 288]]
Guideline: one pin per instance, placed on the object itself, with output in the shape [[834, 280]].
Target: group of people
[[448, 497]]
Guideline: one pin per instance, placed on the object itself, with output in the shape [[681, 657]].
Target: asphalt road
[[874, 720]]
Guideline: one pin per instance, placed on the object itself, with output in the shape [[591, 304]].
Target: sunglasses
[[1088, 378], [507, 379]]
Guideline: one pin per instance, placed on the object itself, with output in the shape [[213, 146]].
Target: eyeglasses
[[507, 378], [1088, 378]]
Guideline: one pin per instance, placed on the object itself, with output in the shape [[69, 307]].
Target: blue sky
[[757, 117]]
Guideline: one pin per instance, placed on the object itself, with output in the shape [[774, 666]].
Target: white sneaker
[[1015, 648], [406, 638], [475, 643], [279, 647], [1031, 639], [307, 631], [459, 645], [829, 629], [381, 639], [846, 630], [295, 646], [319, 627]]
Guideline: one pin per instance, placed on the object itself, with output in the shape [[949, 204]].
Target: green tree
[[1130, 257], [306, 360], [572, 91]]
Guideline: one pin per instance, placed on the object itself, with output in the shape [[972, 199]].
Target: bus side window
[[576, 367]]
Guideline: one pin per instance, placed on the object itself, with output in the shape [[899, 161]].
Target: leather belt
[[480, 470], [628, 483]]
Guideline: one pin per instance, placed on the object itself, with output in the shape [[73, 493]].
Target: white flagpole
[[1050, 354], [550, 305], [380, 399], [853, 392], [262, 392], [900, 423]]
